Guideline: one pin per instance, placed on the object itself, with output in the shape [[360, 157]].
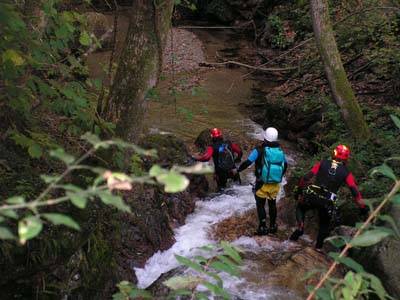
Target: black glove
[[297, 192], [238, 160], [364, 211]]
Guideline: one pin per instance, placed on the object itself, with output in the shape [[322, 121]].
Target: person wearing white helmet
[[270, 166]]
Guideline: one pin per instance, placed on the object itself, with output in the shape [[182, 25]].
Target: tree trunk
[[340, 86], [139, 66]]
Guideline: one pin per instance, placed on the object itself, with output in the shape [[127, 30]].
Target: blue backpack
[[273, 164]]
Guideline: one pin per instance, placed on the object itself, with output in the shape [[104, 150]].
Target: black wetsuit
[[221, 176], [330, 176]]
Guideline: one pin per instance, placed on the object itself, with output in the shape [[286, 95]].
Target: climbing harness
[[320, 192], [331, 199]]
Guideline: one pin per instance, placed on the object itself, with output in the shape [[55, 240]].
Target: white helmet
[[271, 134]]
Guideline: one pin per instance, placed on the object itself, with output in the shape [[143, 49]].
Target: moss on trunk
[[340, 86], [139, 66]]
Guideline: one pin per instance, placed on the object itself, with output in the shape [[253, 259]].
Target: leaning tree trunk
[[334, 70], [139, 66]]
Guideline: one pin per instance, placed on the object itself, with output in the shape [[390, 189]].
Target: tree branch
[[249, 66]]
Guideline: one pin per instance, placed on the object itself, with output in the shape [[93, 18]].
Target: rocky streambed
[[273, 267]]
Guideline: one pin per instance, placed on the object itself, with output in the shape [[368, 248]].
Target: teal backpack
[[273, 164]]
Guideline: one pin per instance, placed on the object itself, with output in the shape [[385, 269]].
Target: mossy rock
[[170, 149]]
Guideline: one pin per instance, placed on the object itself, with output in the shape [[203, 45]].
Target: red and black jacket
[[211, 151], [331, 175]]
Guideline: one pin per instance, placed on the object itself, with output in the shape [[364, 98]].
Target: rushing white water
[[194, 233]]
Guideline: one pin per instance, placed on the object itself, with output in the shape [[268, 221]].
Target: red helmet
[[341, 152], [216, 133]]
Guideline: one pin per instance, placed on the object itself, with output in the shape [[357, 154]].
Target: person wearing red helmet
[[330, 175], [223, 154]]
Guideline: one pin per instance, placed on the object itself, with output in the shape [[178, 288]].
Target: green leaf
[[216, 290], [173, 182], [208, 248], [227, 260], [6, 234], [60, 219], [49, 178], [175, 294], [392, 222], [337, 241], [368, 238], [92, 139], [35, 151], [396, 120], [77, 200], [61, 155], [9, 213], [188, 263], [16, 200], [183, 282], [231, 251], [200, 259], [385, 170], [13, 56], [201, 296], [28, 228], [377, 286], [139, 293], [324, 294], [216, 277], [85, 39], [220, 266], [156, 170], [347, 261], [110, 199]]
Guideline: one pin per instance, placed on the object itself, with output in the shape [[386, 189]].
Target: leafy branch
[[204, 272], [102, 187]]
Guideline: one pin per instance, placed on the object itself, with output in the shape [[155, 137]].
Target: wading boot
[[273, 229], [262, 230]]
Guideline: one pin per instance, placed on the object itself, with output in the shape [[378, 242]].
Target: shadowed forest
[[200, 149]]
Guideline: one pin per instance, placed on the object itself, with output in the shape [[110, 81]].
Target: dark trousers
[[260, 203], [221, 177], [323, 207]]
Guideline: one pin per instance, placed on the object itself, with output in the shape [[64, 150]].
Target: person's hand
[[234, 172], [238, 160]]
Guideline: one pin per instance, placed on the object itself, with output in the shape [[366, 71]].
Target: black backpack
[[225, 159]]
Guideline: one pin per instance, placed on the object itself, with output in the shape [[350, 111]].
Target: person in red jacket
[[223, 154], [330, 175]]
